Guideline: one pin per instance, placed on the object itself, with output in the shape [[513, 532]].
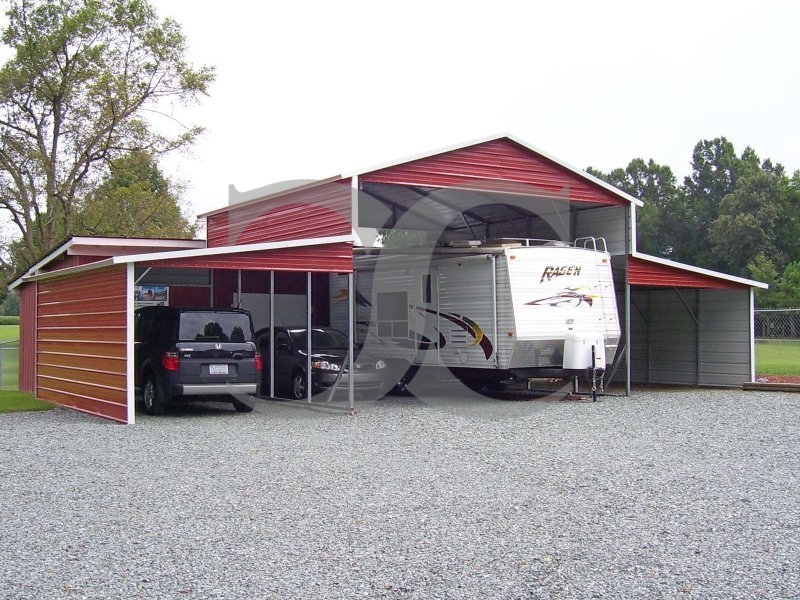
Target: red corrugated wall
[[324, 258], [27, 337], [81, 351], [499, 165], [320, 211]]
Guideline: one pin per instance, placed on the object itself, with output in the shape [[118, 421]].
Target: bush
[[10, 306], [8, 320]]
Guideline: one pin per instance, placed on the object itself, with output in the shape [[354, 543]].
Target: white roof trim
[[699, 270], [222, 250], [191, 253], [99, 242]]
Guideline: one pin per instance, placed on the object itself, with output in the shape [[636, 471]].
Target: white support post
[[627, 339], [271, 334], [351, 300], [308, 337], [129, 346]]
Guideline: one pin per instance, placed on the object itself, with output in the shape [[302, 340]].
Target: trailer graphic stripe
[[468, 325], [573, 296]]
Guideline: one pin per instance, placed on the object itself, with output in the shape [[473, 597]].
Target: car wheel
[[298, 390], [153, 397], [242, 407], [401, 387]]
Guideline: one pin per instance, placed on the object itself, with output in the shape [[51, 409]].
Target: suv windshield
[[214, 327], [321, 339]]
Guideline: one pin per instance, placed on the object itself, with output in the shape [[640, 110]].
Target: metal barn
[[681, 324]]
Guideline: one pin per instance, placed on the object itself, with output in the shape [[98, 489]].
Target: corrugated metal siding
[[321, 211], [640, 334], [724, 339], [672, 338], [66, 261], [499, 165], [609, 223], [642, 272], [317, 259], [27, 337], [81, 350]]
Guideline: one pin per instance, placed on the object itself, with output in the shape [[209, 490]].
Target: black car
[[203, 353], [328, 351]]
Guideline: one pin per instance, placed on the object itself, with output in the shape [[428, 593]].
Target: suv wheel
[[155, 402], [242, 407], [298, 385]]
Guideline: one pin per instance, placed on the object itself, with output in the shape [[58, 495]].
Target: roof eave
[[700, 271]]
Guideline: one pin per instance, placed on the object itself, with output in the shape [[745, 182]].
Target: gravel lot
[[689, 494]]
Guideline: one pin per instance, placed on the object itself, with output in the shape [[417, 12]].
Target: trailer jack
[[594, 376]]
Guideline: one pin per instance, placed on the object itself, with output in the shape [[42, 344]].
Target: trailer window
[[392, 314], [427, 290]]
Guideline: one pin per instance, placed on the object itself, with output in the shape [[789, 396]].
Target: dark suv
[[203, 353]]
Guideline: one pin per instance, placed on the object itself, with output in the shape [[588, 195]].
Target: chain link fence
[[777, 333], [9, 365]]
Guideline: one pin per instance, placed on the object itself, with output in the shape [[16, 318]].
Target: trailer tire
[[473, 383]]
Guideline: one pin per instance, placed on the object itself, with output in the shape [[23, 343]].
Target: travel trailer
[[486, 311]]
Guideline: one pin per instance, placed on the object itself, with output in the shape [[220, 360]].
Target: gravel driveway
[[688, 494]]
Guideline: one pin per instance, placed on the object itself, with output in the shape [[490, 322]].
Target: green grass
[[9, 365], [9, 332], [21, 401], [778, 358]]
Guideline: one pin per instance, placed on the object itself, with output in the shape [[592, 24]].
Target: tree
[[762, 269], [655, 185], [10, 305], [81, 90], [787, 289], [746, 225], [134, 200], [714, 174]]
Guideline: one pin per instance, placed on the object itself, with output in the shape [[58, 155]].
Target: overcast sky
[[315, 89]]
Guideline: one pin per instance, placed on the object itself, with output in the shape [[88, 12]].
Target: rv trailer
[[486, 311]]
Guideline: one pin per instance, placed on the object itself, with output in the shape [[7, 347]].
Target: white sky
[[315, 89]]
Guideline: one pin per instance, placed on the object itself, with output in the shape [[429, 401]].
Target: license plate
[[218, 369]]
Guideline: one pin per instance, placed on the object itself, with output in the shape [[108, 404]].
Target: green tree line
[[737, 214]]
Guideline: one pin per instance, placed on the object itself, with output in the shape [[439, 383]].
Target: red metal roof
[[650, 271], [499, 165], [309, 212]]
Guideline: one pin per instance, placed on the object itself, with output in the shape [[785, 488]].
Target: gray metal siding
[[640, 347], [673, 337], [724, 337], [609, 223], [669, 346]]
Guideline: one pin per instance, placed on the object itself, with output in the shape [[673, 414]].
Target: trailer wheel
[[473, 383]]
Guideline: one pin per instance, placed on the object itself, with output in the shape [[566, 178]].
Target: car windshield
[[214, 327], [321, 339]]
